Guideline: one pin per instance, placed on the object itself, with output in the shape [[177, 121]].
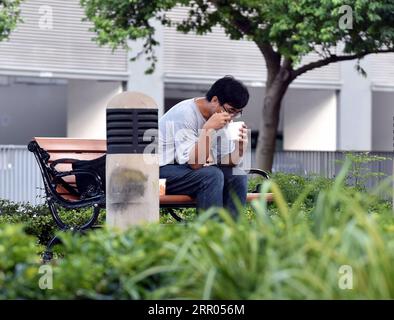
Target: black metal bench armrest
[[63, 160], [58, 178], [259, 172]]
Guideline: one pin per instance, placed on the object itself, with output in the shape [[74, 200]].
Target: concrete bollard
[[132, 173]]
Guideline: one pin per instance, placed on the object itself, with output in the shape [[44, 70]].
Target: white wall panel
[[53, 41]]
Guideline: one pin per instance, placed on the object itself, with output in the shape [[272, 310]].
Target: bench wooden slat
[[73, 155], [72, 144], [185, 199], [175, 199], [69, 197], [89, 149], [61, 190], [62, 167], [70, 180], [269, 197]]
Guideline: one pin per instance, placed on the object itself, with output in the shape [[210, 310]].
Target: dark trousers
[[212, 186]]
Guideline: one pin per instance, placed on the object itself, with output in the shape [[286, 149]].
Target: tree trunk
[[274, 94]]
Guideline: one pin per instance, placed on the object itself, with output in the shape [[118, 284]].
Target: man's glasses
[[234, 114]]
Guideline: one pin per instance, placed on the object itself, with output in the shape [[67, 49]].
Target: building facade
[[56, 81]]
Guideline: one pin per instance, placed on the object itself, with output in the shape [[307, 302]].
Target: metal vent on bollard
[[132, 165], [131, 130]]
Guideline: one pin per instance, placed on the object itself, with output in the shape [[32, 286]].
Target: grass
[[336, 242]]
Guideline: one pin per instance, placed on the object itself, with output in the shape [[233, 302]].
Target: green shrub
[[101, 265], [38, 220], [359, 172], [286, 252], [292, 186], [19, 264], [294, 254]]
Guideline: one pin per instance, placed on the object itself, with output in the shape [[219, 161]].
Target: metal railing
[[20, 178], [325, 163]]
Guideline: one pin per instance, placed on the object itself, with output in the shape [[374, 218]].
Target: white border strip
[[186, 80], [66, 74]]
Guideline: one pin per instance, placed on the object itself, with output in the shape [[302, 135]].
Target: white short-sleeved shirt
[[179, 130]]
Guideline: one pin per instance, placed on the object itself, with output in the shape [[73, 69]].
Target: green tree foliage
[[283, 30], [9, 17]]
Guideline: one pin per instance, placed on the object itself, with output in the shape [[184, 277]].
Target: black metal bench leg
[[93, 219], [52, 207], [48, 254], [171, 211]]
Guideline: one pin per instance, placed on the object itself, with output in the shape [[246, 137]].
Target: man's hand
[[234, 158], [243, 138], [217, 121]]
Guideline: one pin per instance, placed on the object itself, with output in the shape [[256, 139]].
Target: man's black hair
[[230, 91]]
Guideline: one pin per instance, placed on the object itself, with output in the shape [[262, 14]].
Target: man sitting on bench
[[197, 158]]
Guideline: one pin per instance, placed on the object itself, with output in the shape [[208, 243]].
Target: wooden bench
[[172, 202], [55, 157]]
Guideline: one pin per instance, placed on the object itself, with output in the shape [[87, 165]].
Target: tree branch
[[245, 27], [287, 63], [272, 60], [334, 58]]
